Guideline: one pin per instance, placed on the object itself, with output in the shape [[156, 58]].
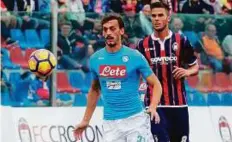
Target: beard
[[112, 44], [161, 29]]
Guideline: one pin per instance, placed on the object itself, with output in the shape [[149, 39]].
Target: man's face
[[65, 30], [211, 32], [159, 17], [134, 2], [147, 10], [177, 24], [85, 2], [112, 32]]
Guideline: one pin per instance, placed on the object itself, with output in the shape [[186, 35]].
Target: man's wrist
[[86, 119], [153, 106]]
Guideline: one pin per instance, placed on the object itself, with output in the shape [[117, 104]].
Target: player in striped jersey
[[171, 57]]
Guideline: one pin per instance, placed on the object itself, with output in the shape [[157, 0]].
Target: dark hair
[[66, 23], [113, 17], [160, 5]]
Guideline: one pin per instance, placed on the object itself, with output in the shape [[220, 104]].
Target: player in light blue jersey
[[116, 71]]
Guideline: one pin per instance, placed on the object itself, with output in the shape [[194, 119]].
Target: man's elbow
[[195, 68]]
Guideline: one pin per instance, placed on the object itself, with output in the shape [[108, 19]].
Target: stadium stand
[[63, 84], [21, 37]]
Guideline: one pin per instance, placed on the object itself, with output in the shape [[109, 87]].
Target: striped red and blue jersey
[[174, 50]]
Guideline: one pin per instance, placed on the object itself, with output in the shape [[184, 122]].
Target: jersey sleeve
[[188, 53], [139, 47], [92, 69], [144, 67]]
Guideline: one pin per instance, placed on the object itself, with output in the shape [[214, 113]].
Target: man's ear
[[122, 31]]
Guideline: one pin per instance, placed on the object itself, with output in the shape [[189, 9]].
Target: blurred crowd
[[205, 23], [80, 29]]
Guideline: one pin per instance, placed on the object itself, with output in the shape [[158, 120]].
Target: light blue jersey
[[119, 76]]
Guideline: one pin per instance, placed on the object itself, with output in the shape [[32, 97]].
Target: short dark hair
[[113, 17], [160, 5]]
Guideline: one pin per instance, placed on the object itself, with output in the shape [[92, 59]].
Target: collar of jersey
[[167, 37], [115, 53]]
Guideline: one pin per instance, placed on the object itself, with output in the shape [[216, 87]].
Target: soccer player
[[171, 58], [116, 71]]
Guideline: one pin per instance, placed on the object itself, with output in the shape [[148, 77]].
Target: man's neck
[[114, 49], [163, 34]]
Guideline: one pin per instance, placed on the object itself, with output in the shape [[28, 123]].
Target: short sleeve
[[92, 69], [144, 67], [188, 53], [140, 47]]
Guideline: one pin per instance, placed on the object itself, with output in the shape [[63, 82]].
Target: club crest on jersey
[[112, 71], [125, 58], [175, 46]]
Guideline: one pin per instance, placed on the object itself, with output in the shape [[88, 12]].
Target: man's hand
[[77, 132], [178, 73], [153, 114]]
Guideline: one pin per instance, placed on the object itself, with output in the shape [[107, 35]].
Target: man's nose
[[108, 32], [156, 18]]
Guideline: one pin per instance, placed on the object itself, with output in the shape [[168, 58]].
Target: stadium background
[[42, 24]]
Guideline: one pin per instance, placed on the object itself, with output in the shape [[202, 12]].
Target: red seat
[[205, 83], [230, 79], [193, 81], [221, 83], [28, 53], [3, 42], [63, 84], [17, 57]]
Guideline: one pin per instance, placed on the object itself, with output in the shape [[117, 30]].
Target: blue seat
[[63, 96], [192, 37], [227, 99], [6, 62], [77, 80], [197, 99], [5, 98], [88, 80], [14, 77], [20, 94], [214, 99], [45, 36], [189, 97], [80, 100], [32, 39], [100, 102], [17, 34]]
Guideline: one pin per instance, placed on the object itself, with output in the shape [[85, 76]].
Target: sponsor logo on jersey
[[113, 85], [112, 71], [164, 60]]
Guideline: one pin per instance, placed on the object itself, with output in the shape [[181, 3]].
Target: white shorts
[[135, 128]]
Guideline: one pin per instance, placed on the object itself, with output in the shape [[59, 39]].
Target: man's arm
[[153, 81], [92, 99], [179, 72], [193, 70], [189, 59]]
